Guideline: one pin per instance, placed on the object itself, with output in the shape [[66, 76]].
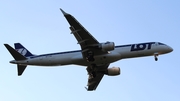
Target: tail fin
[[17, 56], [22, 50]]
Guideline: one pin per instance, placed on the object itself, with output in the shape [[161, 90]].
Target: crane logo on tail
[[22, 51]]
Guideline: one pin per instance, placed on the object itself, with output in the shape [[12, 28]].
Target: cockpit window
[[160, 43]]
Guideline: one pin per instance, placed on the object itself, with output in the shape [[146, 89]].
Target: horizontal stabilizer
[[14, 53], [21, 69]]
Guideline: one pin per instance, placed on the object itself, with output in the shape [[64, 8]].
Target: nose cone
[[170, 49]]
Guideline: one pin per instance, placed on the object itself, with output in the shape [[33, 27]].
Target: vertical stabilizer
[[22, 50]]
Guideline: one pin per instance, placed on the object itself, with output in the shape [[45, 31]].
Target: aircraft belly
[[107, 58], [126, 54], [50, 61], [61, 60], [79, 60], [40, 61], [100, 59]]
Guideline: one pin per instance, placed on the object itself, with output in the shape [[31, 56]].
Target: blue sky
[[41, 27]]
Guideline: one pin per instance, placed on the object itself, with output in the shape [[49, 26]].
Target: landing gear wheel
[[156, 56], [156, 59], [90, 56]]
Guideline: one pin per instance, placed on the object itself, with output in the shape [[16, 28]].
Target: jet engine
[[114, 71], [108, 46]]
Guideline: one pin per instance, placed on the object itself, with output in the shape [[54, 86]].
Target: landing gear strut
[[156, 56]]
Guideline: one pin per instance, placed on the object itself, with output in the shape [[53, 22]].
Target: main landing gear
[[92, 71], [156, 56], [90, 56]]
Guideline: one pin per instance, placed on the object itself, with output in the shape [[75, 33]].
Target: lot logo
[[141, 46]]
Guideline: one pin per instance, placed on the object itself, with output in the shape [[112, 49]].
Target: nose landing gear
[[156, 59], [156, 56]]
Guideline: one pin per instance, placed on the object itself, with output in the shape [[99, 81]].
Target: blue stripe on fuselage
[[122, 46], [55, 53]]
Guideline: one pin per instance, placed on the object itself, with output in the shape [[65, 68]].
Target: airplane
[[94, 55]]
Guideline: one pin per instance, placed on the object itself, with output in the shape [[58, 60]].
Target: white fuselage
[[75, 57]]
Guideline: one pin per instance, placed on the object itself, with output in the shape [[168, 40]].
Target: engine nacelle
[[113, 71], [108, 46]]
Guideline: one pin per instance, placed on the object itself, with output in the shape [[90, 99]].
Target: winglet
[[64, 13]]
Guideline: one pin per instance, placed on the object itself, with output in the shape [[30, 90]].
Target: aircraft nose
[[170, 49]]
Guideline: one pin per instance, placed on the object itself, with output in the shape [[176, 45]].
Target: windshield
[[160, 43]]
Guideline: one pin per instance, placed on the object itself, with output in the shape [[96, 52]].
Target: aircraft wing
[[84, 38], [93, 82], [88, 43]]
